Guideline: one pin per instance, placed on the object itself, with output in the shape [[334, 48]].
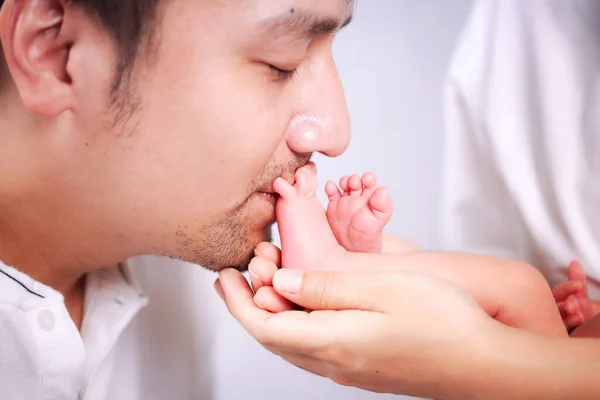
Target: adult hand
[[263, 267], [261, 270], [400, 333]]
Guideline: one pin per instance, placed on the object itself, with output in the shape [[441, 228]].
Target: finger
[[261, 271], [268, 299], [312, 166], [270, 252], [239, 299], [563, 290], [576, 273], [326, 290], [573, 321], [219, 289], [569, 307], [587, 308], [562, 309], [296, 331]]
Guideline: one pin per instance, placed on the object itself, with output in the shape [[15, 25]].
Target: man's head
[[147, 126]]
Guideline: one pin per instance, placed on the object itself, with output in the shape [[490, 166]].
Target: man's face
[[217, 120]]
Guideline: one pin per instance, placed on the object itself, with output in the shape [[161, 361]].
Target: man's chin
[[241, 266], [236, 257], [225, 246], [216, 264]]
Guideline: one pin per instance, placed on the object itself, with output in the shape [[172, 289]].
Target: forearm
[[515, 364], [487, 279], [510, 291], [395, 244]]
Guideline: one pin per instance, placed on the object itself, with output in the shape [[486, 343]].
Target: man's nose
[[323, 125]]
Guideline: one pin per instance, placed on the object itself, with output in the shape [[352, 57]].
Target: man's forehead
[[305, 17], [326, 8]]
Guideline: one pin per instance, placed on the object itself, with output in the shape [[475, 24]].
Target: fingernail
[[257, 253], [251, 270], [254, 271], [258, 303], [288, 280], [219, 289]]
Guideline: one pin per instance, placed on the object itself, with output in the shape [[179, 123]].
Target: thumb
[[327, 290]]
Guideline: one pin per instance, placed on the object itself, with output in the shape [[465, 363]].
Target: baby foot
[[358, 215], [306, 237]]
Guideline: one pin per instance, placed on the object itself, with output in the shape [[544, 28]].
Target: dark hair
[[128, 21]]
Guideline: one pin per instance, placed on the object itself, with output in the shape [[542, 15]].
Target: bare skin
[[576, 308], [181, 161], [512, 293]]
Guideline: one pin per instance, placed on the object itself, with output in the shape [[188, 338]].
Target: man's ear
[[36, 53], [49, 45]]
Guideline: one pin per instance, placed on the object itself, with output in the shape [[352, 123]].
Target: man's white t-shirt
[[522, 166]]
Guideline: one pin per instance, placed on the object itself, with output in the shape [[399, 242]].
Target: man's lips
[[270, 197], [269, 194], [268, 189]]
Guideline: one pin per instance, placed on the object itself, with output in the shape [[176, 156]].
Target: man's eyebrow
[[303, 24]]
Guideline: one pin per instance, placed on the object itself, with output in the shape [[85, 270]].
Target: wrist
[[492, 352], [466, 368], [501, 365], [521, 365]]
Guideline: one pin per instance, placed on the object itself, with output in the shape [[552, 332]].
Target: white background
[[392, 60]]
